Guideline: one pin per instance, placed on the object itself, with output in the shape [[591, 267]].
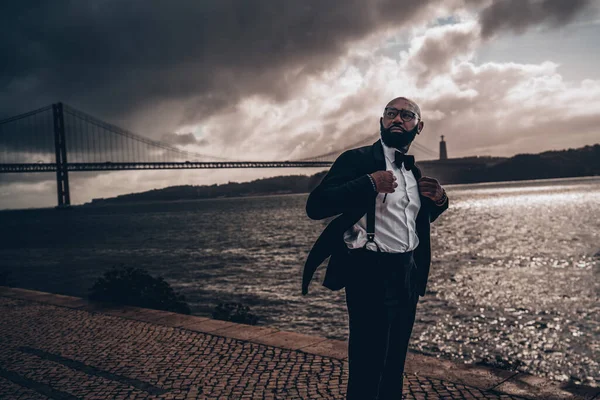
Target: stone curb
[[485, 378]]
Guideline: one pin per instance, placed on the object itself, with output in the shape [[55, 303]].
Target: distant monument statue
[[443, 151]]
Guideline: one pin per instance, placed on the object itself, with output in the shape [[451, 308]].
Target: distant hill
[[584, 161], [260, 187]]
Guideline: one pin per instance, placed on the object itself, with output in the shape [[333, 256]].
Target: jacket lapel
[[378, 156], [416, 172]]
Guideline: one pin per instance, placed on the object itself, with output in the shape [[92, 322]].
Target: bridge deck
[[113, 166]]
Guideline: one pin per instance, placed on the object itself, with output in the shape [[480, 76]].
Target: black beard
[[399, 141]]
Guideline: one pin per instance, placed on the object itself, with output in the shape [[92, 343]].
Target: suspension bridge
[[61, 139]]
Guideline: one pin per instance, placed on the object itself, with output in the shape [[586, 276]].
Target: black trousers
[[382, 303]]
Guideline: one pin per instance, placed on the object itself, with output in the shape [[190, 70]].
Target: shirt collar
[[389, 152]]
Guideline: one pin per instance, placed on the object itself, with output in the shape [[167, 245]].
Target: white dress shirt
[[395, 220]]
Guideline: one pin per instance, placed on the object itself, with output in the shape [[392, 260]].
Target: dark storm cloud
[[115, 58], [518, 15]]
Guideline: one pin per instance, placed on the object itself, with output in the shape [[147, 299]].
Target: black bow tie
[[409, 161]]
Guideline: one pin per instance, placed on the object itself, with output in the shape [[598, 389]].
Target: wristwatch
[[443, 200]]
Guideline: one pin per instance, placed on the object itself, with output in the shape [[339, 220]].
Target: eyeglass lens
[[405, 115]]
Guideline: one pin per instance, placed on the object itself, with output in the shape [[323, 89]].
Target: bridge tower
[[443, 150], [62, 173]]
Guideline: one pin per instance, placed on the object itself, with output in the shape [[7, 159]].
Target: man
[[379, 247]]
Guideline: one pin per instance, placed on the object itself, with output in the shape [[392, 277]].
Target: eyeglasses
[[405, 115]]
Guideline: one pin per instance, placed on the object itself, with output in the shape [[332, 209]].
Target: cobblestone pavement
[[54, 352]]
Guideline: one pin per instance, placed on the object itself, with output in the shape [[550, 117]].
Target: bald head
[[406, 104], [399, 126]]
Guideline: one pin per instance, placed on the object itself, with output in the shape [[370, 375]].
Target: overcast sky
[[281, 80]]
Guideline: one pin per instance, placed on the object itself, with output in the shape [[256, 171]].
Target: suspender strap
[[371, 224]]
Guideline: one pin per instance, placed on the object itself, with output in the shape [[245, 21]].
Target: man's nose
[[397, 120]]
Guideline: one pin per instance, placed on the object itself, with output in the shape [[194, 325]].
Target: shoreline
[[488, 380], [497, 364]]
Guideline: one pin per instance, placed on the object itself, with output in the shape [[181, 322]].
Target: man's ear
[[421, 125]]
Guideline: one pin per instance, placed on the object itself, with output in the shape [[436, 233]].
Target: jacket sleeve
[[343, 189], [436, 211]]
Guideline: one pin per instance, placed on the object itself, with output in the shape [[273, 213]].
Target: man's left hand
[[430, 188]]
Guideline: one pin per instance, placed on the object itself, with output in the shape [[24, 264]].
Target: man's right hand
[[385, 181]]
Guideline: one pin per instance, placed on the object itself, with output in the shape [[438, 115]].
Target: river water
[[514, 279]]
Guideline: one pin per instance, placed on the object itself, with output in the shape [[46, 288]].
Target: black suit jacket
[[347, 191]]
